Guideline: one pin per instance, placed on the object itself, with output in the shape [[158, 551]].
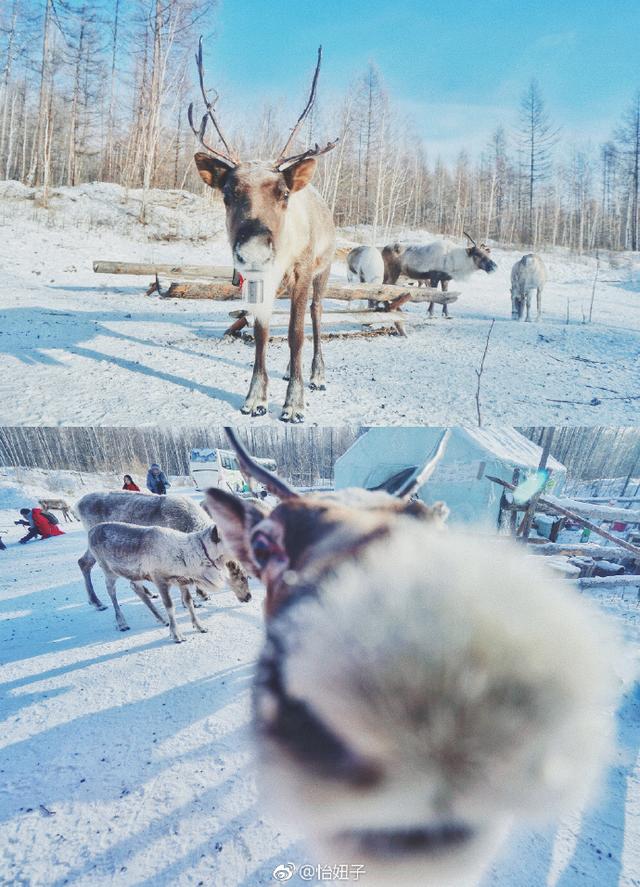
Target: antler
[[413, 485], [230, 158], [316, 151], [282, 161], [251, 468], [469, 238]]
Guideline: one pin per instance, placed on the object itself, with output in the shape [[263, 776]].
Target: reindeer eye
[[262, 548]]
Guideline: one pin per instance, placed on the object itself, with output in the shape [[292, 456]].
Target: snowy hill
[[84, 348]]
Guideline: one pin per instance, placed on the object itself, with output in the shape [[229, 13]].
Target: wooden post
[[576, 517], [531, 510]]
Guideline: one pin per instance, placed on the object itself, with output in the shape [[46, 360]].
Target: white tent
[[383, 457]]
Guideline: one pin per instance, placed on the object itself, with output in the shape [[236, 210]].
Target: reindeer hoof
[[123, 628], [101, 607], [259, 411], [289, 415], [202, 629], [179, 639]]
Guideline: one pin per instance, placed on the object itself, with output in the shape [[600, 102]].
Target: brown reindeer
[[418, 688], [279, 228]]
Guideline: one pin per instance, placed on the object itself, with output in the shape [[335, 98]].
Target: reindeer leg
[[317, 365], [257, 400], [528, 301], [293, 410], [86, 563], [187, 600], [539, 302], [110, 578], [145, 597], [444, 286], [165, 593]]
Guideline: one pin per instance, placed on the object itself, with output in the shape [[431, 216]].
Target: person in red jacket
[[129, 484], [39, 525]]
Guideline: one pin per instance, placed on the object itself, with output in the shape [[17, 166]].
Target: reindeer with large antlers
[[280, 228], [418, 688]]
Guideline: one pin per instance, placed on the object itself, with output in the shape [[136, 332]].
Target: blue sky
[[458, 68]]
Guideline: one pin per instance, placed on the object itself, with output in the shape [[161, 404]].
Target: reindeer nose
[[253, 245]]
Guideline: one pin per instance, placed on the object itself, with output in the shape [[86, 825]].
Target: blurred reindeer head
[[418, 688]]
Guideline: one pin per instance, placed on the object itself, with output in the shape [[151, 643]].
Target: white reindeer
[[365, 265], [529, 273], [146, 510], [162, 556], [418, 689]]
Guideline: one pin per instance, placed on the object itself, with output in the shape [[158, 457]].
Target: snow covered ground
[[126, 759], [80, 348]]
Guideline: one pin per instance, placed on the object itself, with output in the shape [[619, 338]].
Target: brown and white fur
[[529, 273], [279, 226], [418, 689], [162, 556], [147, 510]]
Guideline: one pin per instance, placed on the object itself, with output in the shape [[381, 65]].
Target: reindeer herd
[[418, 689], [281, 233]]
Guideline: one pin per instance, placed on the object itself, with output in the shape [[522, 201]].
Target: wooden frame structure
[[215, 282]]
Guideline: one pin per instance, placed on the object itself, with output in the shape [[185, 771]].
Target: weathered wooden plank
[[187, 272], [224, 291]]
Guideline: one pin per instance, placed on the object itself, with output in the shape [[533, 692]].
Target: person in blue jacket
[[157, 480]]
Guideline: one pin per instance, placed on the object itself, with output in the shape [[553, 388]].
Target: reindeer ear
[[212, 172], [436, 513], [235, 518], [300, 174]]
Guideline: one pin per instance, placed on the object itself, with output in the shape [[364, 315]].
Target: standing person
[[157, 480], [129, 484], [39, 525]]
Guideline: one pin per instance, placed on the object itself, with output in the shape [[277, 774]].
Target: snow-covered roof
[[510, 445]]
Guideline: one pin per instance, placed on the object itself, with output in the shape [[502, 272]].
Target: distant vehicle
[[220, 468]]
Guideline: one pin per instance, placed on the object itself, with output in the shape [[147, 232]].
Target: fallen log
[[599, 512], [221, 291], [187, 272], [586, 549], [576, 517], [608, 581]]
